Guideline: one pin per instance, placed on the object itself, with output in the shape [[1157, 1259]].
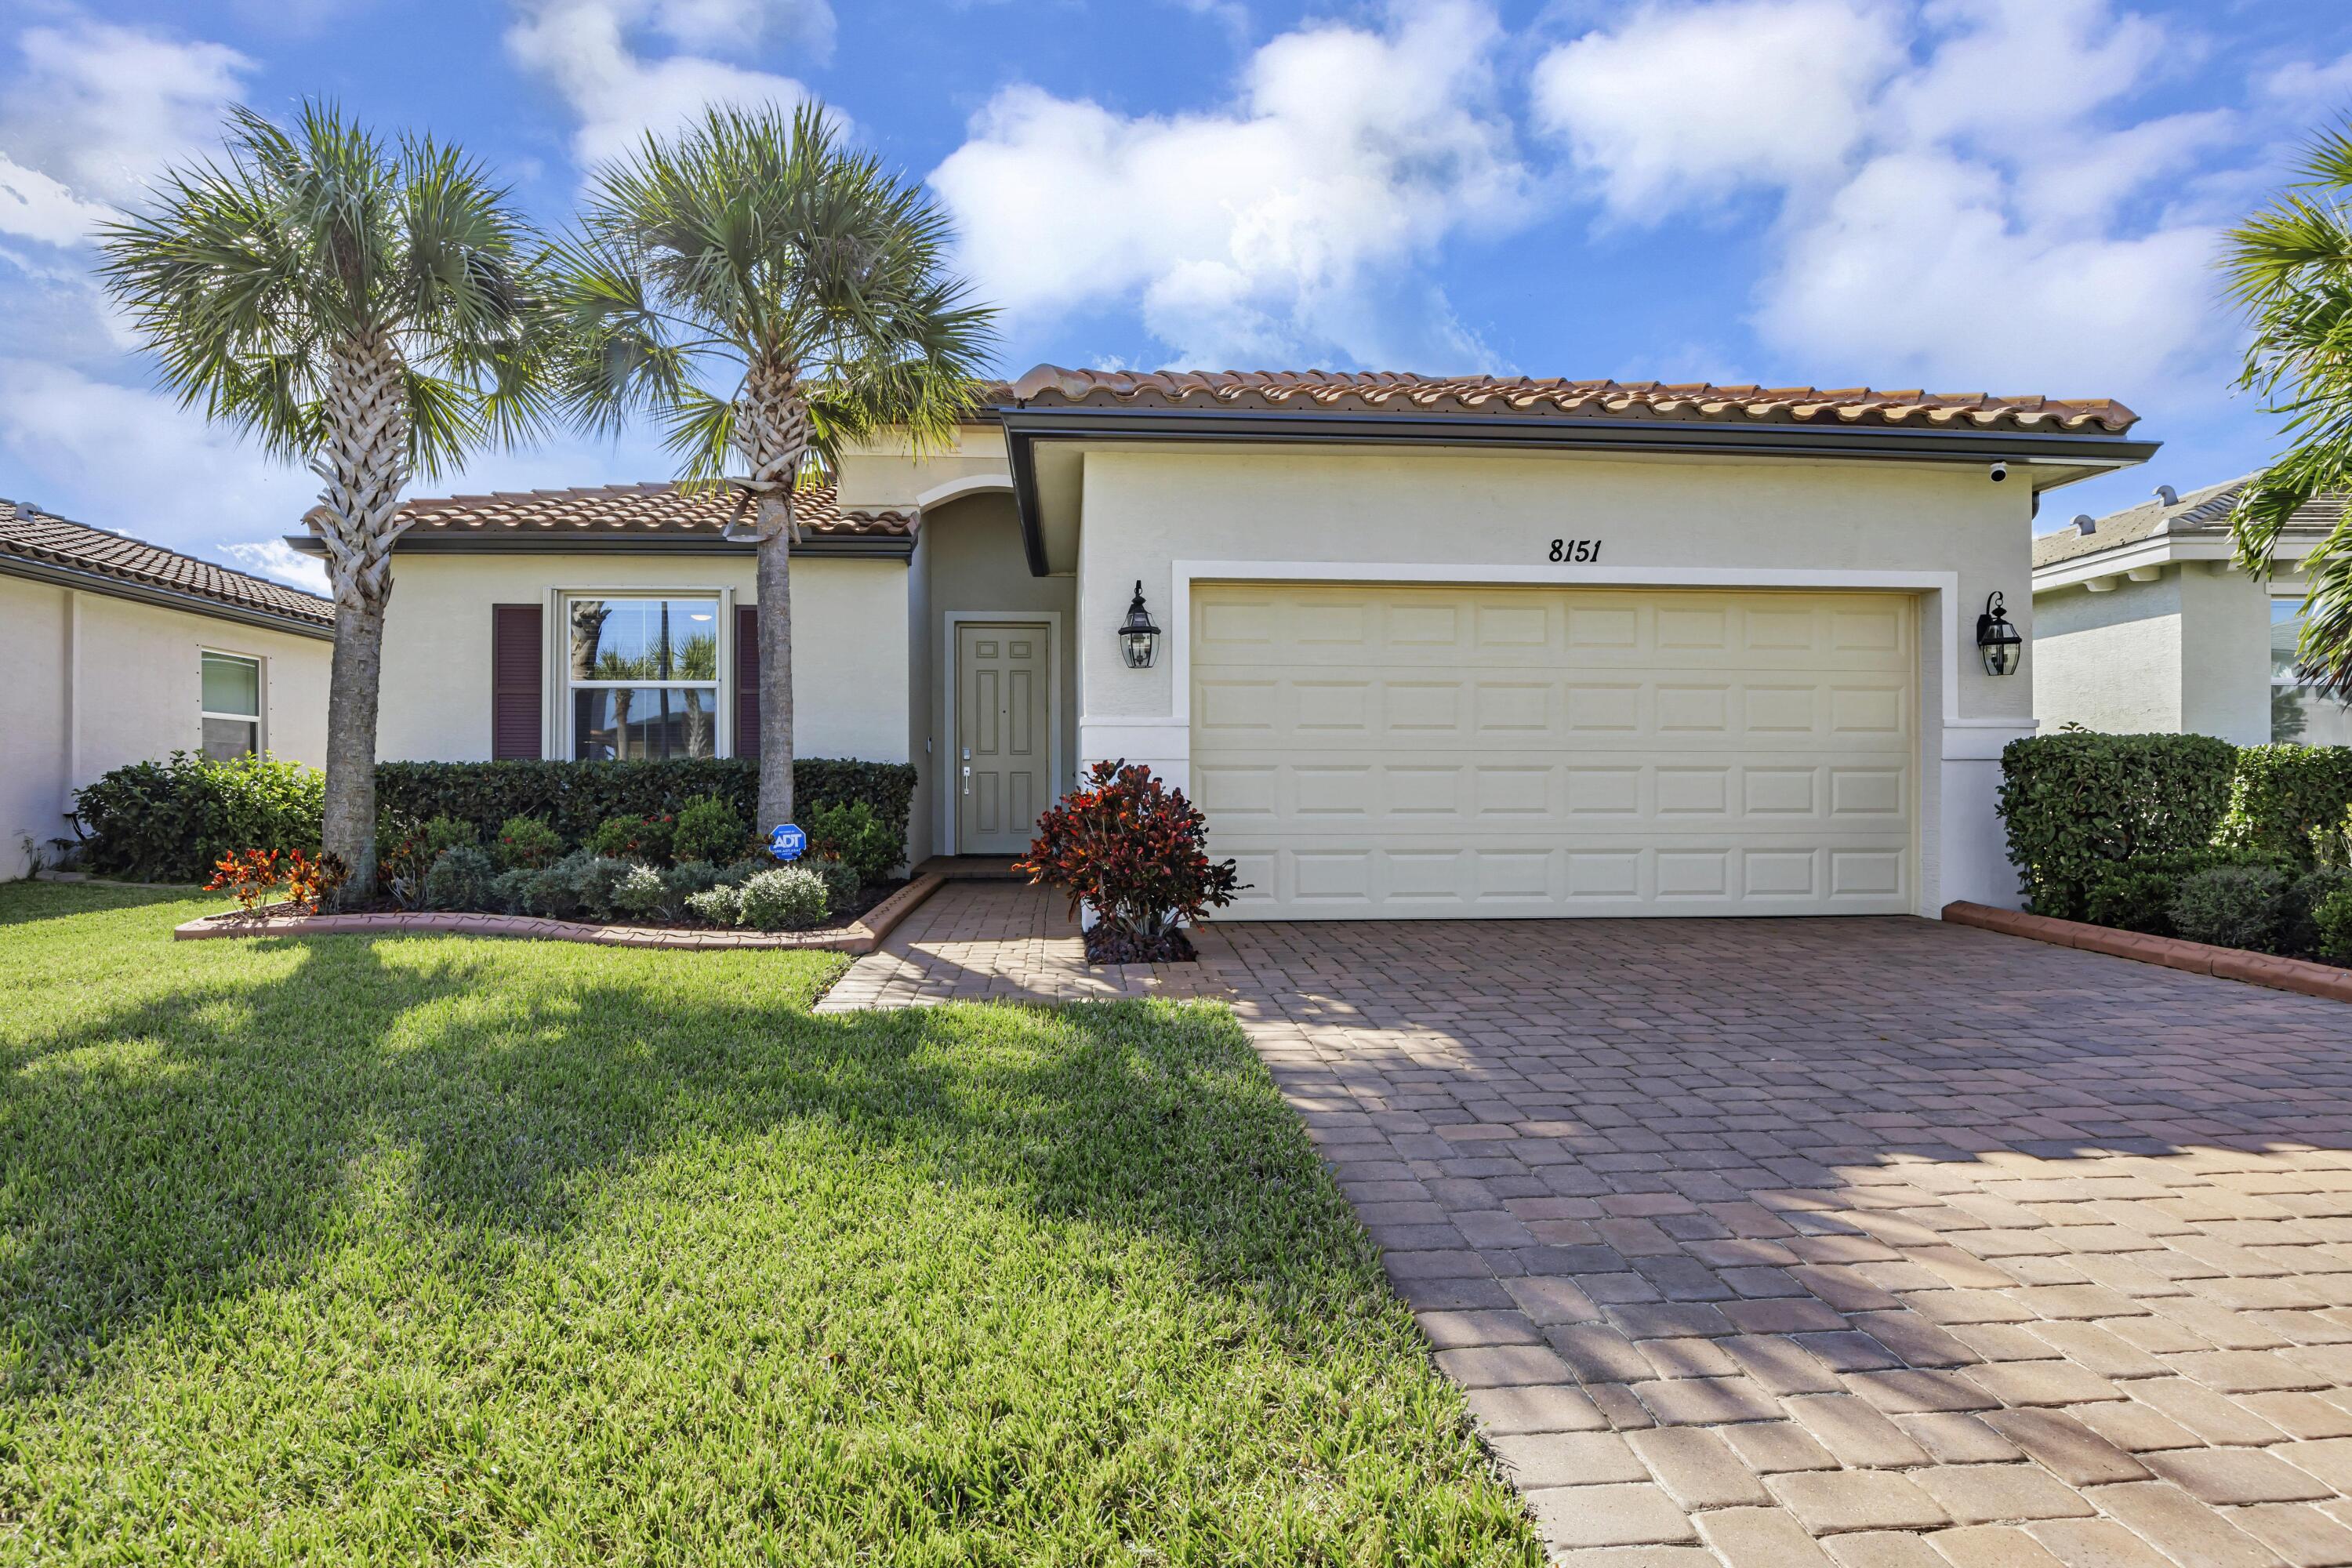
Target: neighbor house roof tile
[[639, 510], [1371, 391], [37, 539], [2204, 511]]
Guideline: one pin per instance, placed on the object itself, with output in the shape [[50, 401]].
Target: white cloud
[[589, 50], [122, 458], [1976, 207], [37, 208], [2306, 84], [276, 558], [1261, 233], [1915, 269], [1686, 102], [100, 108]]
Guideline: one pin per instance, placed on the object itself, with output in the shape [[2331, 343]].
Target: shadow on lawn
[[140, 1185]]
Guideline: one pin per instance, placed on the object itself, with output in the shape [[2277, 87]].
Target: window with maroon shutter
[[517, 666], [747, 680]]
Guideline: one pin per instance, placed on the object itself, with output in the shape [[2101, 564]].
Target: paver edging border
[[2296, 974], [862, 935]]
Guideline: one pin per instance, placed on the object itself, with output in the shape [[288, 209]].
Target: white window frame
[[259, 719], [562, 685], [2297, 598]]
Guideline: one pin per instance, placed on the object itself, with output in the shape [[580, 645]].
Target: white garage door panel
[[1430, 751]]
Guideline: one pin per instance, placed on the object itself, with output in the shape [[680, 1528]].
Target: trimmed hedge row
[[2078, 803], [2280, 793], [169, 821], [575, 798]]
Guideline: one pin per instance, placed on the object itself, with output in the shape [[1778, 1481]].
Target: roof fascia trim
[[899, 547], [1024, 428], [162, 597]]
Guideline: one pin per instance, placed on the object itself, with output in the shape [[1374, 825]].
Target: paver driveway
[[1864, 1240]]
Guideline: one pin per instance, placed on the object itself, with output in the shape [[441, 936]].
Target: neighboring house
[[118, 651], [1427, 648], [2143, 622]]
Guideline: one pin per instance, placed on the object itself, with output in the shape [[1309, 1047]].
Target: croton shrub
[[1137, 853]]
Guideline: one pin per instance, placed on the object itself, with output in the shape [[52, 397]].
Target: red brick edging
[[2295, 974], [861, 936]]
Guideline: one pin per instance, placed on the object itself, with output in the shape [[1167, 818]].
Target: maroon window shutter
[[747, 680], [516, 707]]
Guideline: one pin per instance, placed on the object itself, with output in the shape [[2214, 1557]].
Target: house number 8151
[[1576, 550]]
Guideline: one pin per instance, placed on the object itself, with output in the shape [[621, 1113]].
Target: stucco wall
[[2225, 653], [2110, 661], [99, 681], [2188, 652], [888, 475], [973, 565], [1784, 522], [849, 660]]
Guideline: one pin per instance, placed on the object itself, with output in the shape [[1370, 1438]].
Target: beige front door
[[1003, 736], [1400, 752]]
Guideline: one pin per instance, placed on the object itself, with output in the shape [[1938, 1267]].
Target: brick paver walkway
[[998, 941], [1863, 1241], [1811, 1242]]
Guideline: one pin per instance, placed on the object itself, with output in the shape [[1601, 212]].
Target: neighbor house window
[[644, 677], [2298, 711], [232, 706]]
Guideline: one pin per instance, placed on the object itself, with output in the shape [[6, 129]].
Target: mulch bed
[[1105, 945]]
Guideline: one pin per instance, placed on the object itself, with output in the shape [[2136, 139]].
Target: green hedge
[[2281, 793], [2076, 802], [169, 821], [575, 797]]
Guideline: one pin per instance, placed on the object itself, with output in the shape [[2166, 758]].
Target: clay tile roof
[[2199, 512], [1370, 391], [37, 539], [643, 511]]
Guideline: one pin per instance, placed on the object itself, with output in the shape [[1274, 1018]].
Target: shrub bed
[[173, 821], [575, 799], [2078, 804]]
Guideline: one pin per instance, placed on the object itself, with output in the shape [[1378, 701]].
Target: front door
[[1003, 740]]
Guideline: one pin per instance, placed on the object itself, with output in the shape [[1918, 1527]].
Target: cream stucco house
[[2143, 622], [1427, 648], [118, 651]]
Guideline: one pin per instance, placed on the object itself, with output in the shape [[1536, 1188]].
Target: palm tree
[[2290, 268], [755, 253], [375, 313]]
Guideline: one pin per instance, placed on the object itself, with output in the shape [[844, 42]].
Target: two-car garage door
[[1406, 753]]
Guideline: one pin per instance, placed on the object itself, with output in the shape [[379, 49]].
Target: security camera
[[1998, 472]]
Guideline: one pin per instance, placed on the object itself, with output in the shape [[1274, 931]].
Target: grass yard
[[363, 1250]]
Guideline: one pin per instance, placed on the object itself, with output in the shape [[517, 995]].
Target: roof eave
[[894, 546], [114, 587], [1024, 428]]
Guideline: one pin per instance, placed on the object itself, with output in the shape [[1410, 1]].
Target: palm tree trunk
[[775, 678], [772, 432], [353, 683], [364, 464]]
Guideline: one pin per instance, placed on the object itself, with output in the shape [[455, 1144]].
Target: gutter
[[165, 598], [888, 547], [1024, 428]]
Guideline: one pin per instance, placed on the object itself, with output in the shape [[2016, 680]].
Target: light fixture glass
[[1997, 640], [1139, 639]]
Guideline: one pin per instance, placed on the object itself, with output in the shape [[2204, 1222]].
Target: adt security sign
[[786, 842]]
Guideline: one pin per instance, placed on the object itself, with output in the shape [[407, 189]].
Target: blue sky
[[2013, 195]]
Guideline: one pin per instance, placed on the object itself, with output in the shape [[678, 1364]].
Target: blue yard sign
[[786, 842]]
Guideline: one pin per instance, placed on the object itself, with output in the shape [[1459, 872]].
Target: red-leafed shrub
[[1135, 850], [252, 875]]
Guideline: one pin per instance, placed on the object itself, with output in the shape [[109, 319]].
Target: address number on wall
[[1576, 550]]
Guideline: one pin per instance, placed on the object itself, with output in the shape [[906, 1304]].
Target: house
[[2143, 622], [1423, 646], [118, 651]]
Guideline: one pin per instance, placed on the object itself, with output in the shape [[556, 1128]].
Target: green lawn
[[392, 1250]]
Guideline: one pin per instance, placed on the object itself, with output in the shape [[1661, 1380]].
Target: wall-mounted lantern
[[1138, 638], [1997, 640]]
